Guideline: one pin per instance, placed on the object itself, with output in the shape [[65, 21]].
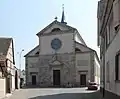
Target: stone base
[[63, 85], [108, 95]]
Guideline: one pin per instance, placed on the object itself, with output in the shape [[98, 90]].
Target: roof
[[55, 22], [4, 45], [31, 51]]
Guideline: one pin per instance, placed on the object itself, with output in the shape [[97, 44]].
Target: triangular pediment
[[55, 62], [55, 25]]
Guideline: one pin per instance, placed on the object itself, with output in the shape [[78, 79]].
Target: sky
[[23, 19]]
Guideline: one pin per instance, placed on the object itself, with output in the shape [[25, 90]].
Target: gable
[[55, 24], [33, 52], [54, 27], [10, 52], [83, 48], [56, 62], [78, 38]]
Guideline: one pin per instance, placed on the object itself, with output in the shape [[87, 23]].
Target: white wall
[[13, 83], [97, 70], [10, 53], [79, 67], [110, 56], [13, 78], [2, 88], [67, 44], [10, 57], [11, 65]]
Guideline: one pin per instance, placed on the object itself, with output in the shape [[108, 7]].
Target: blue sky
[[23, 19]]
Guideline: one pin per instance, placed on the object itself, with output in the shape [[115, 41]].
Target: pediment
[[55, 25], [55, 62]]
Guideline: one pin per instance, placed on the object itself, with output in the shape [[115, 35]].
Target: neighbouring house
[[109, 43], [61, 58], [8, 71]]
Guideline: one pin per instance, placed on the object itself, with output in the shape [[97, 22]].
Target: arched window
[[56, 29]]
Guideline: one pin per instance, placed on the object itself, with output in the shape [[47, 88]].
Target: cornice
[[57, 33], [106, 15]]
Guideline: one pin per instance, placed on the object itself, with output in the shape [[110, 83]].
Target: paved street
[[55, 93]]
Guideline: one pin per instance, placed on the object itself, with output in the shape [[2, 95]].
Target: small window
[[37, 53], [56, 30], [77, 50]]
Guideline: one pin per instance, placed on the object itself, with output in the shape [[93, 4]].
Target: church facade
[[61, 58]]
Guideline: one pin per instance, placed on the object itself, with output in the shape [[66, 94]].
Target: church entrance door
[[33, 79], [83, 79], [56, 77]]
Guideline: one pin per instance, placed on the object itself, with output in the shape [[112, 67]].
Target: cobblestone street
[[55, 93]]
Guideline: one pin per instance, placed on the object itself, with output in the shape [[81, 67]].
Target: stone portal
[[56, 77]]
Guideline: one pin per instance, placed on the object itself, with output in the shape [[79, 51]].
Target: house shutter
[[116, 13]]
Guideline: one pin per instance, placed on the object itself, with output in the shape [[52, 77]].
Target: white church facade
[[61, 58]]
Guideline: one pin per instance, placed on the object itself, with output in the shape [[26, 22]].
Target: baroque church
[[61, 58]]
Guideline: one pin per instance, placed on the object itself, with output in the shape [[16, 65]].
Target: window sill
[[117, 81]]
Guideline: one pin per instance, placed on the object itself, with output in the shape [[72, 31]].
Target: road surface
[[55, 93]]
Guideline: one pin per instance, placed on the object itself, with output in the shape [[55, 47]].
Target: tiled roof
[[4, 45]]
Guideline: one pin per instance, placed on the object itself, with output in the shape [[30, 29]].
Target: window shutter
[[116, 13]]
